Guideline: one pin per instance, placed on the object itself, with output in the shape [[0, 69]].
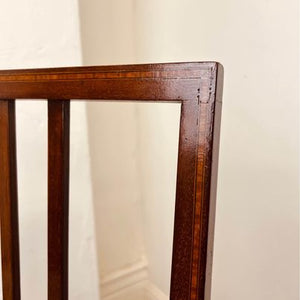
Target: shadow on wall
[[258, 188], [133, 163], [133, 157]]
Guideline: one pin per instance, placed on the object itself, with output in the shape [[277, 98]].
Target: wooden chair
[[197, 86]]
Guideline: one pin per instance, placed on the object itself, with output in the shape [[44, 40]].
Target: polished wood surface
[[58, 198], [9, 202], [198, 87]]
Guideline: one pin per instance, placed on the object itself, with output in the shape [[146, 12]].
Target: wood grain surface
[[9, 202], [58, 198]]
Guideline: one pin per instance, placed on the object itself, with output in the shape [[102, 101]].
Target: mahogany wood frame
[[197, 86]]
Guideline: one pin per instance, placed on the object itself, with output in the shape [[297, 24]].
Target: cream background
[[256, 246]]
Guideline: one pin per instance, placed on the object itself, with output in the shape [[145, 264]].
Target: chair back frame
[[197, 86]]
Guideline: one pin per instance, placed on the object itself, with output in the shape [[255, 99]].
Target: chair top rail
[[154, 82]]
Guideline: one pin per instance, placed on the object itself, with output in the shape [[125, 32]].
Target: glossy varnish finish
[[198, 87], [58, 198], [9, 202]]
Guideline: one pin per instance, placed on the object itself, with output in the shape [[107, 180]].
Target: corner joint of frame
[[207, 84]]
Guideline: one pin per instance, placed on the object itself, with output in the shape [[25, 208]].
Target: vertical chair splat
[[9, 202], [58, 198]]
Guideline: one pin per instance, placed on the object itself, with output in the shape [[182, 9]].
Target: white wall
[[157, 157], [44, 34], [256, 245]]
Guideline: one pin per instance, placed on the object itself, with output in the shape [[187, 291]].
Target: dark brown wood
[[58, 198], [157, 82], [9, 202], [195, 193], [198, 87]]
